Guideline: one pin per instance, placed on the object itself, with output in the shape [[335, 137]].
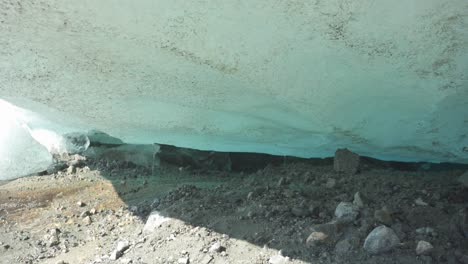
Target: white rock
[[87, 220], [358, 200], [122, 246], [423, 247], [126, 261], [183, 261], [346, 212], [71, 169], [155, 219], [216, 247], [115, 255], [380, 240], [316, 237], [278, 259]]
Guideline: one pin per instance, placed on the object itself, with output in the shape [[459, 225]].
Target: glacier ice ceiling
[[385, 79]]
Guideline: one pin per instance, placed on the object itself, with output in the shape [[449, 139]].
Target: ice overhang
[[301, 78]]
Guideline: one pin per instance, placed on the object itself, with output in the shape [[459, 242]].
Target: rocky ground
[[296, 212]]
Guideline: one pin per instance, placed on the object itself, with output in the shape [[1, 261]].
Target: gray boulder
[[382, 239], [346, 161]]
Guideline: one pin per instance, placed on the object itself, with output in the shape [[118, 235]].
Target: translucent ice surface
[[385, 79], [20, 153], [28, 140]]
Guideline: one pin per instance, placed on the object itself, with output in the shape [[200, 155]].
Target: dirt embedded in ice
[[97, 212]]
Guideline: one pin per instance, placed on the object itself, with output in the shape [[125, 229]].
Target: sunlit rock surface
[[384, 79]]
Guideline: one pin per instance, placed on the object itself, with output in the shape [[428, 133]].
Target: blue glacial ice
[[387, 80]]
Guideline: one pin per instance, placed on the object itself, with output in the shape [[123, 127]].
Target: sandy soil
[[229, 217]]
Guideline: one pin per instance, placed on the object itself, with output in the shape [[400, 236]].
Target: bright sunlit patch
[[20, 153], [49, 139], [10, 117]]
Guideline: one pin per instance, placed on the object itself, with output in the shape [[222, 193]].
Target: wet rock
[[75, 142], [423, 248], [278, 259], [324, 234], [346, 161], [357, 201], [381, 240], [346, 212], [99, 138], [155, 219], [463, 179], [383, 216]]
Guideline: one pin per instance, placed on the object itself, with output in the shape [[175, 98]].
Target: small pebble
[[331, 183], [358, 200], [87, 220], [278, 259], [420, 202], [423, 248], [216, 247]]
